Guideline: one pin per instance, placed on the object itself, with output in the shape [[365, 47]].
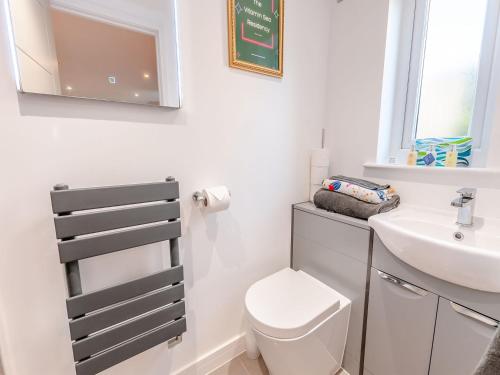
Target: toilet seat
[[289, 304]]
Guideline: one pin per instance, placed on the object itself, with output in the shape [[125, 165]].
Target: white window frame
[[411, 51]]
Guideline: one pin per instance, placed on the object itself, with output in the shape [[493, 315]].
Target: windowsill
[[470, 177]]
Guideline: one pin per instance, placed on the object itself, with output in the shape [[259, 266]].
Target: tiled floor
[[242, 365]]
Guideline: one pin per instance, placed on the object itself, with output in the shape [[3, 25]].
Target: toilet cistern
[[465, 205]]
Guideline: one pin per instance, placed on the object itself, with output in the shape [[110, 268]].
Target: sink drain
[[458, 236]]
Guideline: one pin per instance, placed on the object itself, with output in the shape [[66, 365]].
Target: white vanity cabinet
[[461, 337], [400, 327], [403, 321], [418, 324]]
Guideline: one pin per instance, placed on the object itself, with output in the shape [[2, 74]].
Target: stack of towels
[[355, 197]]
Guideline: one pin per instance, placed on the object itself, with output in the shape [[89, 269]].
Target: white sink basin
[[425, 239]]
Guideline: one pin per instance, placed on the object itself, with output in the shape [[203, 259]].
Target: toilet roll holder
[[199, 197]]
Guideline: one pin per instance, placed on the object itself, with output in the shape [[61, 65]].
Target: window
[[445, 59]]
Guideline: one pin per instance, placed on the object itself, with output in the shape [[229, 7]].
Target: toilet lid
[[289, 304]]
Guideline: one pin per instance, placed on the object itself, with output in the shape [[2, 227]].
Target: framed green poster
[[256, 35]]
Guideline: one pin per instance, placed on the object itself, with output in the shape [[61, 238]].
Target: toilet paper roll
[[217, 198], [318, 174], [320, 157], [313, 190]]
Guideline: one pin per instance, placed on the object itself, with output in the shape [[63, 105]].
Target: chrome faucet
[[465, 205]]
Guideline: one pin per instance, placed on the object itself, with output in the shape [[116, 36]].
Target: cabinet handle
[[473, 315], [412, 288]]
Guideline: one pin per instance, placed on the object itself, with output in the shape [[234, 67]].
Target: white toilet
[[299, 323]]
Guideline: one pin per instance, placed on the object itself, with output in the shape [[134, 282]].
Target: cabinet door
[[461, 338], [400, 327]]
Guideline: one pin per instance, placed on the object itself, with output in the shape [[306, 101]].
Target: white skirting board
[[216, 358]]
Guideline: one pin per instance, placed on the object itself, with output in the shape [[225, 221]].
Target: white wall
[[357, 51], [248, 131]]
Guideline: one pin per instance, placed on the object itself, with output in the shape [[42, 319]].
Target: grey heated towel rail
[[113, 324]]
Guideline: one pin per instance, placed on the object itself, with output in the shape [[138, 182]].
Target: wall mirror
[[113, 50]]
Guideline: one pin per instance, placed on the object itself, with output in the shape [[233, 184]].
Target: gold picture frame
[[234, 10]]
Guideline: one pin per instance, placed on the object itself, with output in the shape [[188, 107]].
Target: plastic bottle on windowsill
[[412, 156], [451, 157]]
